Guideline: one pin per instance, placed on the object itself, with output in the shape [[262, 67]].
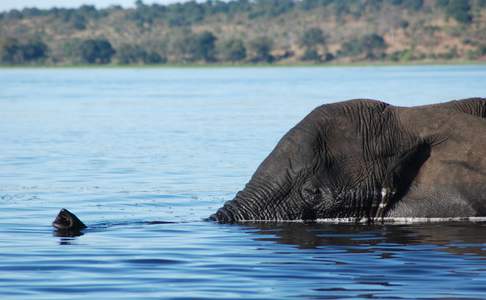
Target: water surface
[[122, 147]]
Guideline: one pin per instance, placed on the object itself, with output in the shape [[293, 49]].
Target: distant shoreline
[[244, 65], [243, 33]]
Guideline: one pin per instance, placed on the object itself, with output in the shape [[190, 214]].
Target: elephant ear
[[401, 172]]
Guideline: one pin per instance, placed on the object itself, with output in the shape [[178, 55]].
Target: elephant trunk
[[257, 201], [270, 194]]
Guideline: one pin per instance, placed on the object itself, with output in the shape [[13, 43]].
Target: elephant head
[[343, 160], [354, 159]]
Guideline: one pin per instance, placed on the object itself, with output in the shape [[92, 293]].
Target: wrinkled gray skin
[[367, 160]]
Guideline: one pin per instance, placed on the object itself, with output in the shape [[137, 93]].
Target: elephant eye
[[308, 190]]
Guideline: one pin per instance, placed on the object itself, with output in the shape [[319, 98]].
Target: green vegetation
[[247, 31], [460, 10], [233, 50], [312, 37], [313, 40], [14, 52], [371, 46], [262, 49], [96, 51], [195, 47], [201, 47], [135, 54]]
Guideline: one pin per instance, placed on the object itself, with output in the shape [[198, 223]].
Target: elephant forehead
[[371, 145]]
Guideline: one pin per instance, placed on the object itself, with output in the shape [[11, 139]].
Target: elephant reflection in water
[[366, 238]]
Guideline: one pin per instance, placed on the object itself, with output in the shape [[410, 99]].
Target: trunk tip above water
[[67, 221]]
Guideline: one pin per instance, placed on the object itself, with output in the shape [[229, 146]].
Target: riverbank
[[247, 65]]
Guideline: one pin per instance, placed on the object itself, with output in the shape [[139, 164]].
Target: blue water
[[123, 147]]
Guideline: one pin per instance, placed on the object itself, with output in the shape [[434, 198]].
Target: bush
[[270, 8], [312, 37], [10, 51], [130, 54], [34, 51], [476, 53], [482, 50], [311, 55], [403, 24], [196, 47], [311, 4], [328, 57], [262, 48], [96, 51], [13, 14], [78, 22], [204, 46], [442, 3], [134, 54], [154, 58], [372, 46], [413, 4], [233, 50], [14, 52], [451, 54], [404, 55], [460, 10]]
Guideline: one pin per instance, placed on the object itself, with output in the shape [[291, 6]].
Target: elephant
[[365, 160]]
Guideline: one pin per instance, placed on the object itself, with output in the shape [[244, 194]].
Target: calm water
[[120, 147]]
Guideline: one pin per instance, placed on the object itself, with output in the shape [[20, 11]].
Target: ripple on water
[[124, 148]]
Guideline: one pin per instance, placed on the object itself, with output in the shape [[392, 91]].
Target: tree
[[233, 50], [14, 52], [396, 2], [130, 54], [78, 22], [310, 40], [413, 4], [372, 46], [96, 51], [442, 3], [204, 46], [135, 54], [14, 14], [312, 37], [190, 47], [154, 58], [34, 51], [10, 51], [270, 8], [311, 4], [196, 47], [311, 54], [262, 48], [460, 10]]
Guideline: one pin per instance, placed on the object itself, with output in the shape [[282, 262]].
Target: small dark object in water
[[67, 221]]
